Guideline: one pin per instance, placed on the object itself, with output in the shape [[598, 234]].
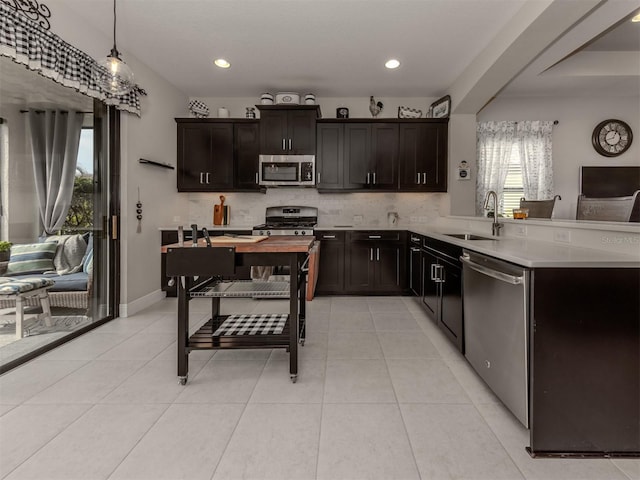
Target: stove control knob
[[296, 232], [302, 232], [268, 232]]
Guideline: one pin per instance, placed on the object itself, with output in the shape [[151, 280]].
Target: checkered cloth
[[30, 44], [252, 324]]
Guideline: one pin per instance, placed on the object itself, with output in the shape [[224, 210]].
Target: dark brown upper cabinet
[[246, 137], [389, 155], [205, 156], [217, 155], [288, 129], [423, 157]]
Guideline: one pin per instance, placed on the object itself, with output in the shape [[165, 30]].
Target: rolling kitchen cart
[[199, 272]]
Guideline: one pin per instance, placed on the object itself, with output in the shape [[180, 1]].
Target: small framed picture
[[441, 108]]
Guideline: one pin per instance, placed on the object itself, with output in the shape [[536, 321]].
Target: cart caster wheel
[[182, 380], [294, 378]]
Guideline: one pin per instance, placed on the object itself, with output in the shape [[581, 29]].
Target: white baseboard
[[128, 309]]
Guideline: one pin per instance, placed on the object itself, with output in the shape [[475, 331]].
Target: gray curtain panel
[[55, 138]]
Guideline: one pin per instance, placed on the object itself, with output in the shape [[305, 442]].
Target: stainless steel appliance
[[496, 319], [287, 170], [288, 220]]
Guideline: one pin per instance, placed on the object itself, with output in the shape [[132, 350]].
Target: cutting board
[[238, 239]]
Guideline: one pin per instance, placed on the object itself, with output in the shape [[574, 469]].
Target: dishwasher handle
[[490, 272]]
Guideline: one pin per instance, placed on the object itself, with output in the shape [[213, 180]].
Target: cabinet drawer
[[330, 236], [374, 236]]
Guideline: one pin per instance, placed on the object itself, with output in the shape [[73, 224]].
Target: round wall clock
[[612, 137]]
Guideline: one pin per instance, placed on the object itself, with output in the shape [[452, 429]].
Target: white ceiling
[[333, 48], [336, 48]]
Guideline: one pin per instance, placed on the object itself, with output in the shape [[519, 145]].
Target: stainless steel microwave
[[287, 170]]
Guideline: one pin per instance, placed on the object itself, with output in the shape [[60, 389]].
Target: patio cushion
[[14, 286], [31, 258], [72, 282]]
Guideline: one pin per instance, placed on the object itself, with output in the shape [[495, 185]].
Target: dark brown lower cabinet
[[585, 361], [331, 271], [362, 262], [442, 288], [375, 262]]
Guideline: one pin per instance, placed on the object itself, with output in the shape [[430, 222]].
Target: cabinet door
[[331, 272], [301, 132], [430, 288], [194, 156], [423, 157], [359, 267], [247, 145], [389, 265], [273, 132], [221, 166], [330, 155], [451, 306], [357, 155], [384, 156], [415, 270]]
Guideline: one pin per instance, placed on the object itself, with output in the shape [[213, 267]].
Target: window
[[513, 185], [515, 161], [80, 216]]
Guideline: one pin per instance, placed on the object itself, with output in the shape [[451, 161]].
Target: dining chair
[[613, 209], [539, 208]]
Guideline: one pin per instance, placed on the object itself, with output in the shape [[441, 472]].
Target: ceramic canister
[[223, 112], [266, 99]]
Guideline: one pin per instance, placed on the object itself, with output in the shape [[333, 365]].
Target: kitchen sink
[[468, 236]]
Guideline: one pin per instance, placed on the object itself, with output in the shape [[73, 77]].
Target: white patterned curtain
[[55, 138], [534, 138], [31, 45], [494, 143]]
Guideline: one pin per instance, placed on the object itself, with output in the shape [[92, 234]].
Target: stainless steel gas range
[[288, 220]]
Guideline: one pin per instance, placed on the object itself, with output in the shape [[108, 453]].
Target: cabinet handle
[[201, 177], [318, 174], [414, 249], [374, 178], [371, 254], [284, 145], [397, 266], [424, 178], [328, 236], [440, 274], [373, 237], [290, 144], [368, 174], [418, 178], [415, 239], [378, 254], [208, 178], [433, 271], [257, 181]]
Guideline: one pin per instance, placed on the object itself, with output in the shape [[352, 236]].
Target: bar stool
[[22, 288]]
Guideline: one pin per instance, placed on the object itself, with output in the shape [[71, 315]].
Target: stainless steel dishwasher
[[496, 319]]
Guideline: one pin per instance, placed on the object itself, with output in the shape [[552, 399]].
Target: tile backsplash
[[334, 209]]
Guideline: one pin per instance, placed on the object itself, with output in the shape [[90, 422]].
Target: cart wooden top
[[275, 244]]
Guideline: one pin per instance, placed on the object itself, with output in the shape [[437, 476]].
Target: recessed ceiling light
[[393, 63], [636, 18], [222, 63]]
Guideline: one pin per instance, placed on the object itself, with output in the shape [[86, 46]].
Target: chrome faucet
[[495, 226]]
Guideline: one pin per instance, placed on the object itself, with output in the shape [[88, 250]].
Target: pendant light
[[113, 75]]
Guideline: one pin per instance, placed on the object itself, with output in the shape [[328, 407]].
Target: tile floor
[[381, 395]]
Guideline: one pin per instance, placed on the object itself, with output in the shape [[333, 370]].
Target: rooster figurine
[[375, 108]]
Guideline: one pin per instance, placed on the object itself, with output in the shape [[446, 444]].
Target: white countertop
[[522, 251]]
